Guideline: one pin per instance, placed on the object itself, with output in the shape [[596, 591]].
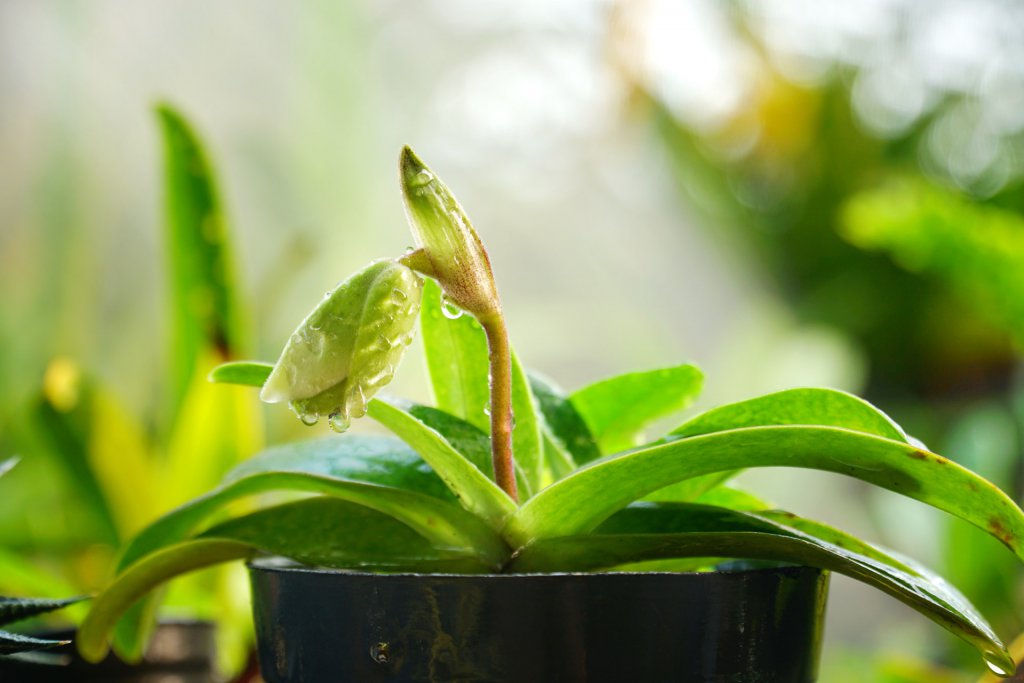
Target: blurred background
[[785, 192]]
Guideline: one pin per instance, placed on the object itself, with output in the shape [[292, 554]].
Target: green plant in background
[[17, 609], [587, 492], [126, 468]]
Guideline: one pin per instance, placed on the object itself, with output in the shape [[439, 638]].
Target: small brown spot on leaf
[[918, 455], [1000, 531]]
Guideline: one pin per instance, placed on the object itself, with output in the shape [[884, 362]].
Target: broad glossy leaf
[[563, 422], [135, 583], [569, 506], [651, 531], [443, 523], [818, 407], [335, 533], [205, 313], [732, 498], [245, 372], [617, 410], [348, 347], [690, 489], [475, 491], [367, 458], [16, 609], [456, 352]]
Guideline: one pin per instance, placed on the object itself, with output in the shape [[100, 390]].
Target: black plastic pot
[[744, 626], [180, 652]]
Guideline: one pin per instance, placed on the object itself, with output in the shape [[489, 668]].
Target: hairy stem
[[500, 358]]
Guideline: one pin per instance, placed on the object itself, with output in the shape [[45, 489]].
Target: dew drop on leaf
[[450, 310], [995, 664], [309, 419]]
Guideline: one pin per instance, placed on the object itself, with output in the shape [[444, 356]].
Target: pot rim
[[284, 565]]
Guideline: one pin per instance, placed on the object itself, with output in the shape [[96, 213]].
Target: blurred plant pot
[[738, 626], [180, 652]]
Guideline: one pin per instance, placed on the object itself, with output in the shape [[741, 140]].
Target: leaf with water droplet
[[348, 347]]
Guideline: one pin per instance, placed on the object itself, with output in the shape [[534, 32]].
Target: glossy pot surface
[[743, 626]]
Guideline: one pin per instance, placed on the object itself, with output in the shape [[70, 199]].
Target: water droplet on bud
[[994, 660], [309, 419], [339, 422]]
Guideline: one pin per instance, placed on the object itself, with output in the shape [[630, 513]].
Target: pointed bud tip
[[414, 173]]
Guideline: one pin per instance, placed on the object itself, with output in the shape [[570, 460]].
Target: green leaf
[[16, 609], [731, 498], [13, 643], [357, 468], [456, 352], [140, 579], [818, 407], [330, 532], [569, 506], [475, 491], [651, 531], [244, 372], [616, 410], [563, 422], [347, 348], [205, 313]]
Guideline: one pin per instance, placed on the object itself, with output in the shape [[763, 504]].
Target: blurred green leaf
[[205, 314], [616, 410], [244, 372], [977, 250]]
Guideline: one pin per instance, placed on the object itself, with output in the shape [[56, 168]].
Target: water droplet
[[422, 178], [406, 339], [398, 295], [309, 419], [339, 422], [380, 653], [995, 662], [487, 409], [450, 310]]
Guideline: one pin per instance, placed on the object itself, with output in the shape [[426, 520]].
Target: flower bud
[[446, 239], [349, 346]]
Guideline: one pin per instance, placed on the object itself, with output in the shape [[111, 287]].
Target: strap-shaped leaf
[[617, 409], [443, 523], [13, 643], [651, 531], [245, 372], [819, 407], [456, 352], [563, 422], [205, 313], [140, 579], [16, 609], [475, 491], [570, 505]]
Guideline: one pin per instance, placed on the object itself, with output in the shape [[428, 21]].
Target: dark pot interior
[[180, 652], [738, 626]]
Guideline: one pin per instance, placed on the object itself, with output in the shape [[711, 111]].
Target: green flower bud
[[449, 249], [349, 346]]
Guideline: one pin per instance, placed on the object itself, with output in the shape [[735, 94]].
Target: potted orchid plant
[[512, 531]]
